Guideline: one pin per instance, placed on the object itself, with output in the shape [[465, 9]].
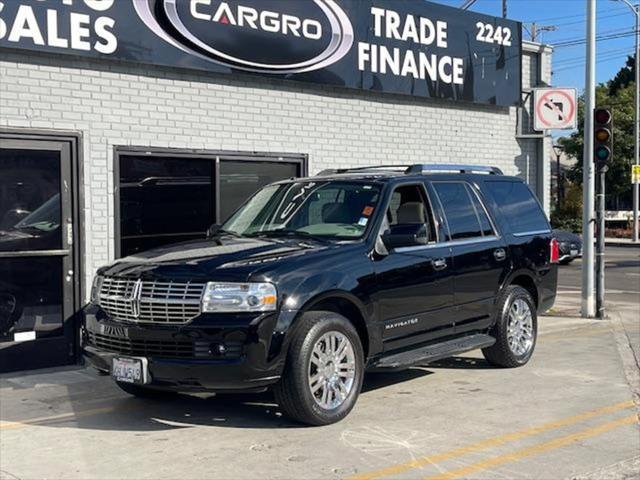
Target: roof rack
[[414, 169], [370, 168]]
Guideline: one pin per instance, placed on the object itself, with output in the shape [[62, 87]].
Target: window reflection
[[239, 180], [163, 200], [29, 200], [30, 296]]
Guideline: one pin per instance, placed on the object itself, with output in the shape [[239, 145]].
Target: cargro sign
[[397, 46]]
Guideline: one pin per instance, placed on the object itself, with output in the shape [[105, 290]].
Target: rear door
[[528, 233], [480, 258]]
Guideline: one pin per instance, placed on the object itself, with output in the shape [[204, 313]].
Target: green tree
[[624, 77], [621, 105]]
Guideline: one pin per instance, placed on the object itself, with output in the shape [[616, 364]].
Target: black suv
[[313, 281]]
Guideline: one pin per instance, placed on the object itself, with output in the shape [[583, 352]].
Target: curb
[[621, 243]]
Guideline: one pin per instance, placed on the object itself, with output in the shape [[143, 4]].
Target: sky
[[614, 22]]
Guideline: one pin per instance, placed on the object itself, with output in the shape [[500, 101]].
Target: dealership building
[[116, 136]]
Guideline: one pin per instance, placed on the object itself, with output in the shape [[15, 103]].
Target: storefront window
[[165, 198], [241, 179]]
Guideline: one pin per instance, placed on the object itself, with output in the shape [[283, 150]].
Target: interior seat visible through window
[[408, 206]]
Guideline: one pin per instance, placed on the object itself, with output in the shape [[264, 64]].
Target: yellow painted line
[[53, 418], [535, 449], [491, 442]]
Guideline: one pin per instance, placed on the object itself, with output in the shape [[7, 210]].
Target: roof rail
[[415, 169], [419, 168], [370, 168]]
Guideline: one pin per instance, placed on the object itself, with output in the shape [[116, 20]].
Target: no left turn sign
[[555, 108]]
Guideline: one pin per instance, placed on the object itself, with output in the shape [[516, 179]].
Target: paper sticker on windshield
[[367, 211], [363, 221]]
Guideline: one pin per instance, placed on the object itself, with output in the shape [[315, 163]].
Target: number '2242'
[[489, 34]]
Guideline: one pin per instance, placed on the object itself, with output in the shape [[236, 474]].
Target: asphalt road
[[622, 275]]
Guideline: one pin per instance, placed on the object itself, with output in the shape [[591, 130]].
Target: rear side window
[[459, 210], [485, 223], [518, 206]]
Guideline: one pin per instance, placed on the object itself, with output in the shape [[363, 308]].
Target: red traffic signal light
[[602, 116], [602, 136]]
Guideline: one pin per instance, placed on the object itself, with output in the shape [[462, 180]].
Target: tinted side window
[[458, 209], [518, 206], [408, 205], [485, 223]]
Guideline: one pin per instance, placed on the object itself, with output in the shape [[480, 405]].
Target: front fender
[[308, 293]]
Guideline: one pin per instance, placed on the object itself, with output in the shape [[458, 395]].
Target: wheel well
[[528, 284], [348, 310]]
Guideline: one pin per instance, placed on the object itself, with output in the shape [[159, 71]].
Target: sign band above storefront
[[395, 46]]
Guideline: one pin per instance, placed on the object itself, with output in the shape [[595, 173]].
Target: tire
[[514, 353], [314, 331], [145, 392]]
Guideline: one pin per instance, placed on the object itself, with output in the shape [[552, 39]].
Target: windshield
[[45, 218], [328, 209]]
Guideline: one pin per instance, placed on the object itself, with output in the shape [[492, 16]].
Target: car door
[[480, 257], [414, 287]]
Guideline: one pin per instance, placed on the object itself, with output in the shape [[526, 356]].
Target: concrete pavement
[[572, 412]]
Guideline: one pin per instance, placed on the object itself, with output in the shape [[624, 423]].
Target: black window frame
[[470, 190], [215, 156]]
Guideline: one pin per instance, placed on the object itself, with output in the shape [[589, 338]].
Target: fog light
[[217, 350]]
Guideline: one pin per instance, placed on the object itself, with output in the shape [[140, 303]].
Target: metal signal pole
[[588, 167], [636, 12]]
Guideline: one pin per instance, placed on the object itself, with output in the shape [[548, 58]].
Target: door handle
[[500, 254], [439, 264]]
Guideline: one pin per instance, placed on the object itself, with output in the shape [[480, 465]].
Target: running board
[[431, 353]]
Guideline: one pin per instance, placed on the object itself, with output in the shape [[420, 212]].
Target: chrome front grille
[[151, 301]]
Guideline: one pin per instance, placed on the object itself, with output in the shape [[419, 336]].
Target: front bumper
[[212, 353]]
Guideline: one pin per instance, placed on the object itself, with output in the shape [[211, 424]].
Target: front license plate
[[574, 253], [130, 370]]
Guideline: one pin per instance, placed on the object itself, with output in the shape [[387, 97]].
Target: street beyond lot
[[569, 413]]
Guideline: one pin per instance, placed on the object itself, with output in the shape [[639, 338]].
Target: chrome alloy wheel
[[332, 370], [520, 328]]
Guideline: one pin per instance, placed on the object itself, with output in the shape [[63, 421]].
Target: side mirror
[[405, 235], [213, 230]]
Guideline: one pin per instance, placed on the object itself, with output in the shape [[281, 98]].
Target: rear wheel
[[324, 371], [515, 330]]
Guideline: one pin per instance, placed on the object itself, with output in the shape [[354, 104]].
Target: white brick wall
[[118, 104]]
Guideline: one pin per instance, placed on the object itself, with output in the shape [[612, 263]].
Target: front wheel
[[324, 370], [515, 331]]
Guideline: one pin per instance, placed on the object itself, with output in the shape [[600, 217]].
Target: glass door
[[36, 257]]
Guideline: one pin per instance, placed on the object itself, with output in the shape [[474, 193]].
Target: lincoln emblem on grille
[[135, 298]]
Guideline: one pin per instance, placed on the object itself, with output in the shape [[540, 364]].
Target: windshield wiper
[[288, 233]]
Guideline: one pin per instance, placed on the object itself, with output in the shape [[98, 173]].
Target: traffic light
[[602, 136]]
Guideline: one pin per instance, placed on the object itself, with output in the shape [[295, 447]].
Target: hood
[[227, 258]]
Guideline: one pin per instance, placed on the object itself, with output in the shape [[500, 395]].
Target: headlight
[[95, 289], [239, 297]]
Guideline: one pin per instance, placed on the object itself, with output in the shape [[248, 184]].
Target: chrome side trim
[[533, 232], [453, 243]]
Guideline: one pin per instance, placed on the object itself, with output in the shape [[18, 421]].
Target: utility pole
[[588, 179], [635, 187], [535, 30], [504, 8]]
